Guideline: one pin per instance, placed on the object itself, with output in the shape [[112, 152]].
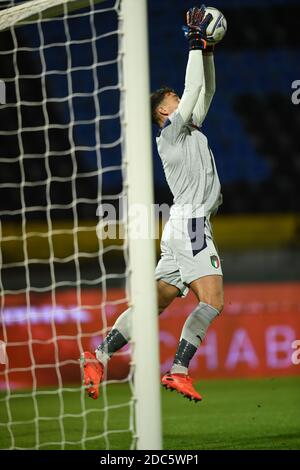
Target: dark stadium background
[[252, 125]]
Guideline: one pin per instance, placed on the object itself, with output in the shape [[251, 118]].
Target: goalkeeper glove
[[195, 16], [195, 32]]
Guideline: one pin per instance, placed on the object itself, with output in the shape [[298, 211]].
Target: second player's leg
[[209, 289], [209, 292], [166, 293], [120, 333]]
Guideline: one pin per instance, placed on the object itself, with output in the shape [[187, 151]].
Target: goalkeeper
[[189, 258]]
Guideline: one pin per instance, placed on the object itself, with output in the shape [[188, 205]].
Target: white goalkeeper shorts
[[188, 253]]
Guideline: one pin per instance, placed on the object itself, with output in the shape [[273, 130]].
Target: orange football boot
[[92, 373], [182, 384]]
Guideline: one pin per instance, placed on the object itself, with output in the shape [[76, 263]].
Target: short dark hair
[[156, 98]]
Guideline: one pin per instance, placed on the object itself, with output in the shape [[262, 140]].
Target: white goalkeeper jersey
[[187, 160]]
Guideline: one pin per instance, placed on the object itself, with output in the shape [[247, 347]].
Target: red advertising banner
[[253, 337]]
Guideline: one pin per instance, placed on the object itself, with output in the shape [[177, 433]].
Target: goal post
[[138, 155], [33, 10], [136, 163]]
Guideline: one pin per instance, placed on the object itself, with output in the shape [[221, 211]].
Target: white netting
[[61, 287]]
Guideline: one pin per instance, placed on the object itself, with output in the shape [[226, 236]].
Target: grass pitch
[[235, 414]]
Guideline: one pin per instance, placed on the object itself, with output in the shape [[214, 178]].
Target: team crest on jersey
[[215, 261]]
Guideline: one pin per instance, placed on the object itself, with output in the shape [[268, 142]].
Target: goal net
[[63, 283]]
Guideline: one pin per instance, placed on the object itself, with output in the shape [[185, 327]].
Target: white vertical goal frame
[[137, 159], [138, 155]]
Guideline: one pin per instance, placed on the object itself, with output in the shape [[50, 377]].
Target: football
[[217, 27]]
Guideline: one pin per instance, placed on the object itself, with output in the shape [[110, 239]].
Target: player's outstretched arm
[[194, 79], [207, 91]]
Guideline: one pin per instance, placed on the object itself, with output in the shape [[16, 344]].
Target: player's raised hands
[[197, 24], [194, 16], [204, 23]]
